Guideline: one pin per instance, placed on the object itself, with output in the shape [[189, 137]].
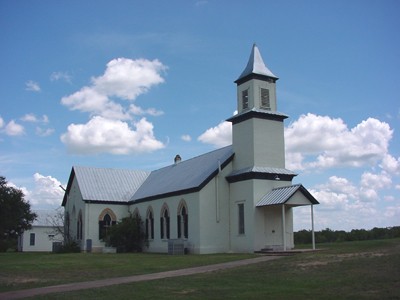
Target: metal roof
[[283, 194], [100, 184], [184, 176], [47, 218], [256, 65], [267, 170]]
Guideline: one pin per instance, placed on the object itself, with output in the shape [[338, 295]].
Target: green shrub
[[127, 235], [69, 247], [8, 245]]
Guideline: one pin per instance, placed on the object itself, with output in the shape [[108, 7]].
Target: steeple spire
[[257, 128], [255, 66]]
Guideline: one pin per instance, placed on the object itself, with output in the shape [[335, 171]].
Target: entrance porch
[[276, 207]]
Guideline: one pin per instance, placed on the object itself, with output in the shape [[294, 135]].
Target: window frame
[[183, 222], [79, 225], [32, 239], [241, 219], [165, 224], [245, 99], [150, 225], [265, 104], [102, 216], [104, 225]]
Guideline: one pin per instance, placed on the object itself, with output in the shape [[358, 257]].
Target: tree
[[15, 214], [127, 235], [57, 222]]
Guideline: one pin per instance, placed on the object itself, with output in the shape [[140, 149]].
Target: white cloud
[[127, 78], [44, 131], [372, 183], [324, 142], [201, 3], [375, 181], [331, 200], [390, 164], [320, 142], [29, 118], [101, 135], [389, 198], [90, 100], [14, 129], [32, 86], [136, 110], [393, 212], [294, 160], [56, 76], [340, 209], [46, 191], [123, 79], [186, 137], [32, 118], [219, 136], [335, 195], [1, 122], [340, 185], [346, 205], [316, 143]]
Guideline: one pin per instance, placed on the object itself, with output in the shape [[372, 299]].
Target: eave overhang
[[261, 173], [259, 114], [255, 76]]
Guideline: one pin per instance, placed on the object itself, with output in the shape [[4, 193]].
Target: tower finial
[[256, 65]]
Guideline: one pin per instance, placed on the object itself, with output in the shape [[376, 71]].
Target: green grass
[[349, 270], [29, 270]]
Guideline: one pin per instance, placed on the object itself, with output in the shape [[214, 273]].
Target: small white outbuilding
[[43, 234]]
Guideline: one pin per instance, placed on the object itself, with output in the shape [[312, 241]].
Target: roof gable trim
[[281, 195]]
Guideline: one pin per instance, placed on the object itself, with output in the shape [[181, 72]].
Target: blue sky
[[129, 84]]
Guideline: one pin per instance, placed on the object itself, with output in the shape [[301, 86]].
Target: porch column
[[283, 227], [312, 227]]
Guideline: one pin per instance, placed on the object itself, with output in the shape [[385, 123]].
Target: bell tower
[[256, 85], [257, 128]]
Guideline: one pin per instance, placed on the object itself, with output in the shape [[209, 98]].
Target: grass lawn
[[30, 270], [349, 270]]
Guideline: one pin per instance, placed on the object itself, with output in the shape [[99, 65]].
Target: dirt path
[[137, 278]]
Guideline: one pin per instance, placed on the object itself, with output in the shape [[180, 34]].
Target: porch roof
[[286, 195]]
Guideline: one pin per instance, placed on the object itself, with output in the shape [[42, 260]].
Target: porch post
[[283, 227], [312, 226]]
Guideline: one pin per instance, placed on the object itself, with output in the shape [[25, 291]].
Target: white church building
[[239, 198]]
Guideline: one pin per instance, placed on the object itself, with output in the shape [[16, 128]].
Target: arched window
[[66, 228], [183, 221], [164, 223], [149, 224], [136, 213], [106, 219], [79, 226]]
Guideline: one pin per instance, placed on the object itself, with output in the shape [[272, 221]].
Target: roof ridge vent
[[177, 159]]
